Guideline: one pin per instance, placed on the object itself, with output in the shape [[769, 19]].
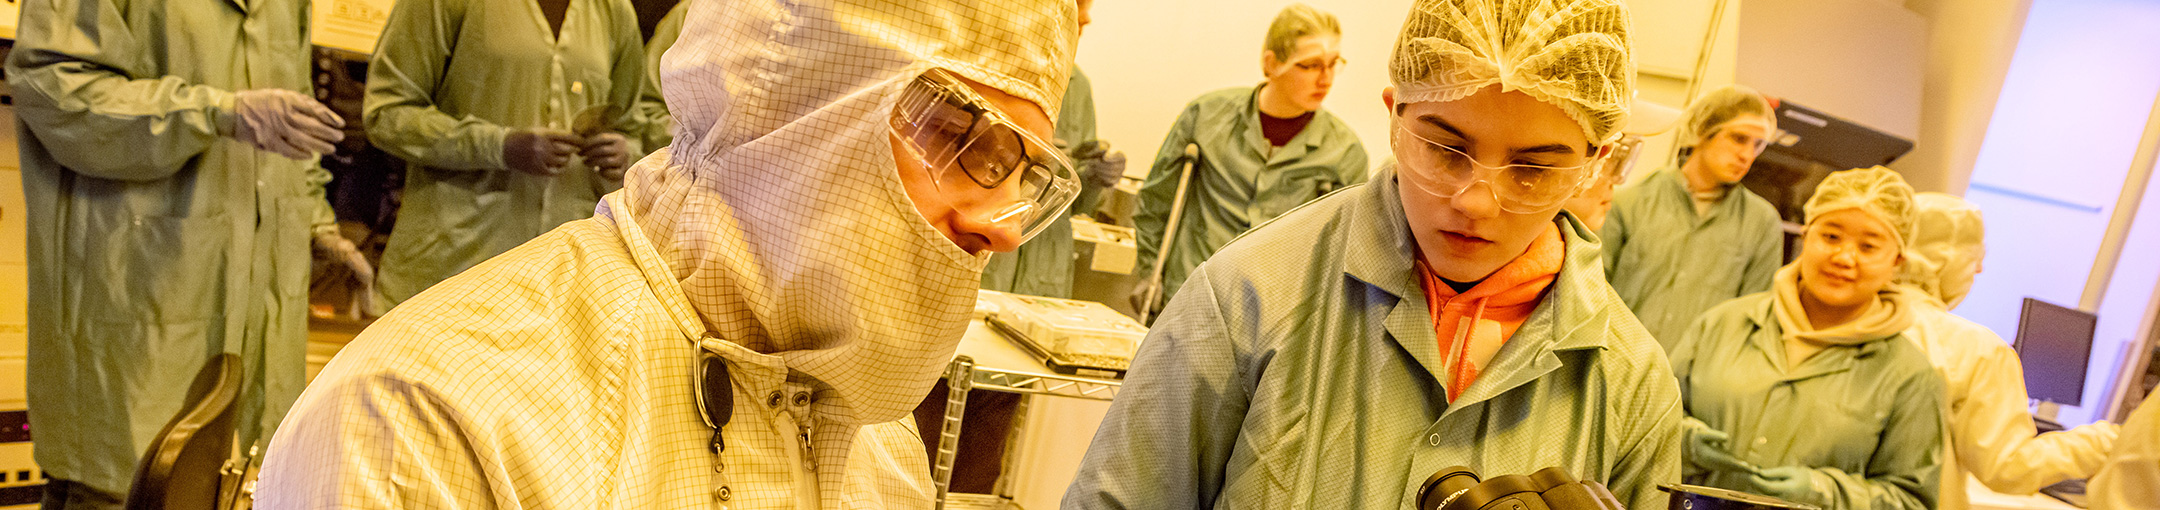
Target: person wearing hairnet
[[1343, 353], [1043, 266], [1263, 150], [747, 321], [2130, 477], [1991, 433], [1685, 239], [172, 192], [1644, 119], [1810, 392], [1594, 201], [512, 114]]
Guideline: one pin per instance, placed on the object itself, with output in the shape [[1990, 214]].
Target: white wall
[[1861, 60], [2058, 147], [1970, 43]]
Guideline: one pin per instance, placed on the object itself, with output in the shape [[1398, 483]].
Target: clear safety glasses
[[1755, 146], [1524, 187], [1621, 161], [968, 145]]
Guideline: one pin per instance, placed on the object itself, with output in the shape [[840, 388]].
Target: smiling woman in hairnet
[[1444, 314], [1991, 433], [743, 325], [1810, 392]]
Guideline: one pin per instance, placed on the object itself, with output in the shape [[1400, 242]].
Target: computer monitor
[[2054, 343]]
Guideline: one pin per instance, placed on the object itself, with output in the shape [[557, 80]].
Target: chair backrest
[[185, 466]]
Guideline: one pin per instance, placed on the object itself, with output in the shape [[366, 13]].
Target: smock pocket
[[146, 269]]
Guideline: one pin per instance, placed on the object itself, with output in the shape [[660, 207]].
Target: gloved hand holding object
[[341, 250], [608, 153], [285, 122], [1100, 165], [1706, 448], [1144, 294], [1792, 483], [1457, 488], [540, 151]]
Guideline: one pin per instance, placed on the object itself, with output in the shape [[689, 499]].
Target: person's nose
[[994, 221], [1478, 201], [995, 231], [1847, 257]]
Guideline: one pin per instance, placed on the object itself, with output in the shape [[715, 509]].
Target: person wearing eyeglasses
[[1686, 238], [1444, 314], [747, 323], [1811, 392], [1644, 119], [1263, 151], [1044, 266], [1595, 200]]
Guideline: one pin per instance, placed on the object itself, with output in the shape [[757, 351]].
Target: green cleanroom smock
[[1044, 266], [1671, 264], [155, 243], [1866, 417], [450, 79], [1241, 180], [1299, 370], [659, 129]]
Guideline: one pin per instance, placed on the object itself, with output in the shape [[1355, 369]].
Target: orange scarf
[[1474, 324]]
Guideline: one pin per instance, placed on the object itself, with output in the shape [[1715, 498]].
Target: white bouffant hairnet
[[1721, 106], [1877, 191], [780, 207], [1573, 54], [1946, 247]]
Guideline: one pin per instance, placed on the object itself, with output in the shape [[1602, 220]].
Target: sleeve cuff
[[223, 116], [489, 145]]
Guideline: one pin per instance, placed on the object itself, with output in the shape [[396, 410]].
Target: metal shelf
[[1014, 381]]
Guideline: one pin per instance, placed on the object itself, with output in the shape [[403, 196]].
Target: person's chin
[[1737, 175]]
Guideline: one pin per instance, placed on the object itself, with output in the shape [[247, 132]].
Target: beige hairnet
[[1296, 22], [1573, 54], [1877, 191], [1946, 247], [780, 208], [1715, 109]]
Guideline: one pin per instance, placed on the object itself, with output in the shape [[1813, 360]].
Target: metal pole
[[1170, 228], [959, 378], [2126, 207]]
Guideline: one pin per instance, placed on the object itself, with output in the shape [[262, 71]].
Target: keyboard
[[2069, 491]]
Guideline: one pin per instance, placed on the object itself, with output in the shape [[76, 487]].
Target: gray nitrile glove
[[540, 151], [285, 122]]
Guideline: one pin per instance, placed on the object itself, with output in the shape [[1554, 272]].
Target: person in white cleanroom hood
[[1991, 433], [746, 323]]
